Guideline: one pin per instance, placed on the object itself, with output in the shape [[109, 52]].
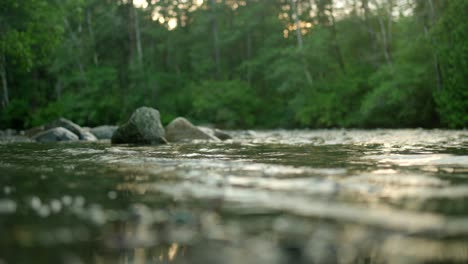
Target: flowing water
[[327, 196]]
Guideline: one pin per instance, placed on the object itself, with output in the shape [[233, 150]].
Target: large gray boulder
[[143, 127], [56, 134], [104, 132], [74, 128], [180, 129]]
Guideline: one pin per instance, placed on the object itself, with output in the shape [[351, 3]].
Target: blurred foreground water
[[326, 196]]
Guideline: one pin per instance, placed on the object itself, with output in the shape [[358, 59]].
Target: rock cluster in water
[[143, 127], [56, 134], [59, 130], [71, 127]]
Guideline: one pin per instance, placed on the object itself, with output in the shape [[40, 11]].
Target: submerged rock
[[103, 132], [180, 129], [74, 128], [143, 127], [222, 135], [12, 139], [34, 131], [9, 132], [87, 136], [56, 134], [215, 132]]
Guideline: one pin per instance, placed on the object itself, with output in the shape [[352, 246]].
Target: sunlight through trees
[[270, 63]]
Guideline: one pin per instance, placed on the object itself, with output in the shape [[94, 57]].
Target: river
[[282, 196]]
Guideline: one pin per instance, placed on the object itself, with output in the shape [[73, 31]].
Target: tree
[[29, 32], [451, 34], [272, 63]]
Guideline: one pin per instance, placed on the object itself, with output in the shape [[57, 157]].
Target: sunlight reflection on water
[[326, 196]]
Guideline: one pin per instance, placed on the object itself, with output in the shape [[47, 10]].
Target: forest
[[236, 63]]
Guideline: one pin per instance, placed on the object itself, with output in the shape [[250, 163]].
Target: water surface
[[326, 196]]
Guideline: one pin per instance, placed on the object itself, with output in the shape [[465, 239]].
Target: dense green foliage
[[236, 63], [452, 38]]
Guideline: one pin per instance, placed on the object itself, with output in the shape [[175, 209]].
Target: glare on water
[[326, 196]]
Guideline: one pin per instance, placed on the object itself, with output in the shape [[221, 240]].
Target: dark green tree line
[[236, 63]]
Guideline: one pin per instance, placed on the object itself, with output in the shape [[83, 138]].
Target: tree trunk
[[311, 6], [77, 43], [91, 35], [390, 24], [435, 59], [300, 42], [249, 57], [338, 53], [435, 56], [131, 33], [58, 89], [153, 86], [384, 34], [370, 30], [214, 29], [3, 73], [138, 36], [384, 41]]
